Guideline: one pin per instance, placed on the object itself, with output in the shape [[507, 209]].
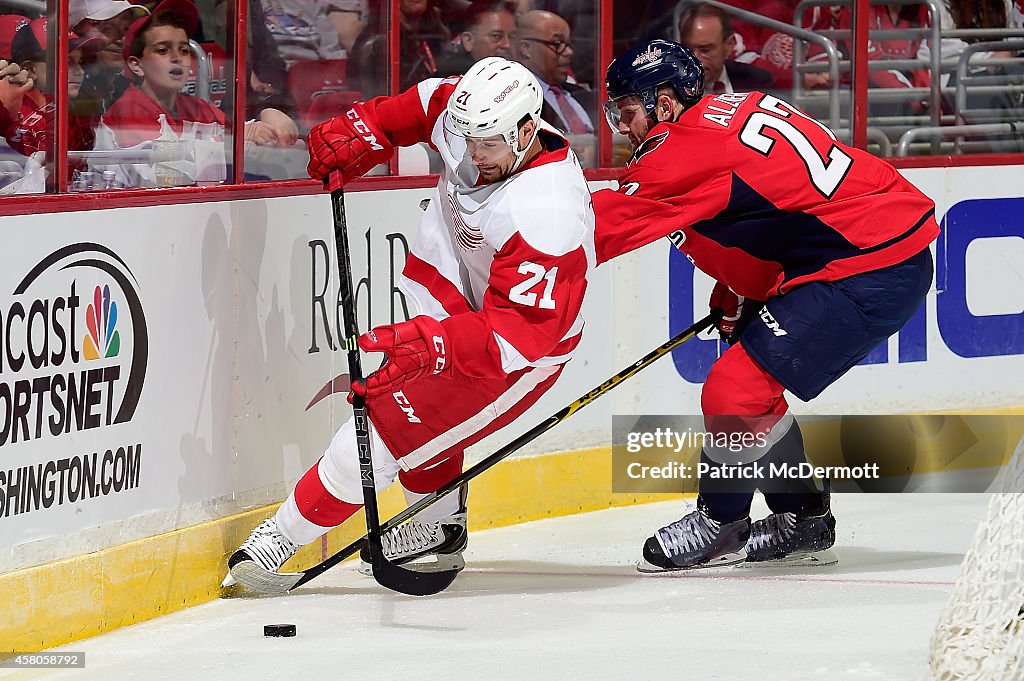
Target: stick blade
[[410, 582], [254, 578]]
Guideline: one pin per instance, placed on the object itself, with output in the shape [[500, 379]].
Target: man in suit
[[488, 31], [544, 46], [707, 30]]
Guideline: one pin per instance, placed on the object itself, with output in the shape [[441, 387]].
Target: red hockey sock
[[319, 506], [432, 475], [740, 395]]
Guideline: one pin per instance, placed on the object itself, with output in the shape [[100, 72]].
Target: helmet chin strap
[[520, 155]]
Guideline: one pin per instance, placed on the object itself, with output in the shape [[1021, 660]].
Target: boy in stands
[[158, 59]]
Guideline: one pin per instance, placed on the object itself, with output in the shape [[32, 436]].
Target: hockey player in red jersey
[[497, 272], [820, 252]]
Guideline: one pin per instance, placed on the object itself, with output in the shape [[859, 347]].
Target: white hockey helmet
[[492, 98]]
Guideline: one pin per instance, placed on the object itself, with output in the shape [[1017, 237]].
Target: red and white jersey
[[763, 198], [504, 263]]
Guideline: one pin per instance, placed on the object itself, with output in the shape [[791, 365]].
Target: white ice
[[560, 599]]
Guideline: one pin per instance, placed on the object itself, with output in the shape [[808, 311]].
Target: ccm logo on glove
[[360, 126], [441, 361], [352, 143], [415, 349]]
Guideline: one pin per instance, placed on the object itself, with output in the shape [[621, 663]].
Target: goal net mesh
[[980, 635]]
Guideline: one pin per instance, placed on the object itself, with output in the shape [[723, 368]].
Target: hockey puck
[[278, 629]]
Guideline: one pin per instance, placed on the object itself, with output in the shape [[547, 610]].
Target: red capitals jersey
[[881, 18], [135, 116], [763, 198], [32, 130]]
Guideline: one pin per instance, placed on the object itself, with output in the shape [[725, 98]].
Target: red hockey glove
[[352, 143], [730, 306], [415, 349]]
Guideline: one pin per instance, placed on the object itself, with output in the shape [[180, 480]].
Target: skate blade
[[229, 581], [725, 560], [445, 562], [814, 559]]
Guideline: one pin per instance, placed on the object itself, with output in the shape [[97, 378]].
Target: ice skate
[[800, 537], [433, 546], [266, 550], [695, 541]]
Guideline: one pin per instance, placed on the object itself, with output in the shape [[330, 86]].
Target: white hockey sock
[[294, 526]]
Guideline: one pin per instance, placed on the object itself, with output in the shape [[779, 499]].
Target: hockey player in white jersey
[[497, 273]]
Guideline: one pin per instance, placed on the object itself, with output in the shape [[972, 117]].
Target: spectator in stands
[[9, 25], [30, 128], [544, 45], [763, 47], [978, 14], [422, 37], [894, 18], [349, 18], [488, 30], [11, 94], [266, 70], [707, 30], [14, 81], [907, 18], [581, 15], [425, 34], [981, 14], [157, 55], [108, 20], [302, 29], [988, 14]]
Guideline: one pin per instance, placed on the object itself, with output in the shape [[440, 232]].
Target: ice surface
[[560, 599]]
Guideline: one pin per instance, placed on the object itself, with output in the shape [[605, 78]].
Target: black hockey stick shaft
[[521, 441], [386, 573]]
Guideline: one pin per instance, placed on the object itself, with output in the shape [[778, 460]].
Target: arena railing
[[203, 68], [988, 84], [960, 132]]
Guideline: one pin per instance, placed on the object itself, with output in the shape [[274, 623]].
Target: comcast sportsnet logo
[[103, 340], [75, 345]]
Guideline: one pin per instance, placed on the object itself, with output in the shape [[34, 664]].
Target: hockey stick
[[386, 573], [279, 583]]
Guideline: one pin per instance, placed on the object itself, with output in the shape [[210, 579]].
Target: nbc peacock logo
[[103, 339]]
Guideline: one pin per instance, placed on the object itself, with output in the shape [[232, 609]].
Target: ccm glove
[[730, 306], [415, 349], [352, 143]]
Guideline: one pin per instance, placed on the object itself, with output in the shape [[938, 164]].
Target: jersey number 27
[[826, 176]]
